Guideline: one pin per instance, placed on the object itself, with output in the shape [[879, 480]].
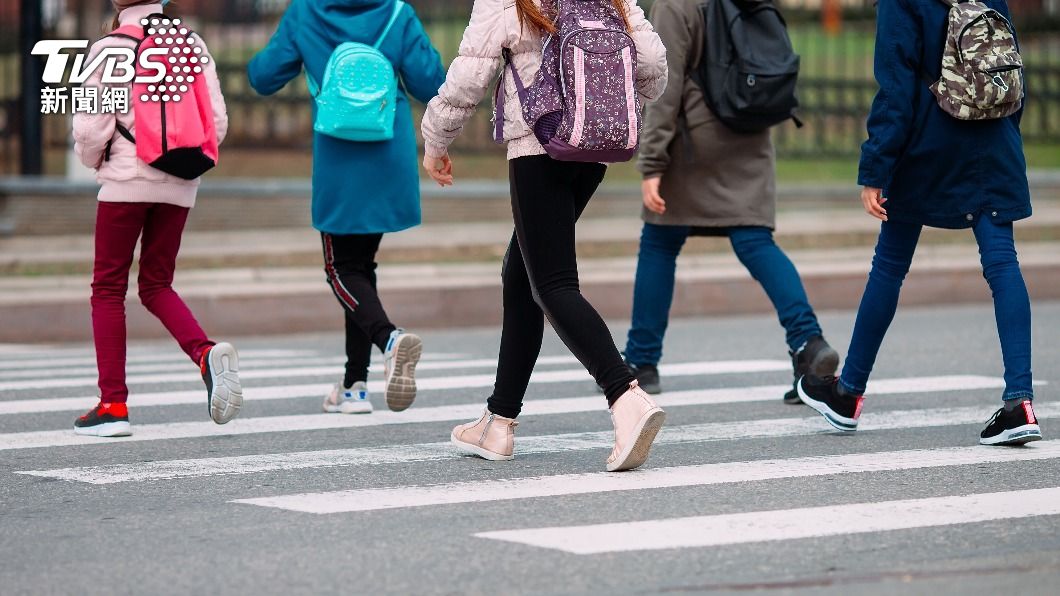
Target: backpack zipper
[[985, 16], [563, 44]]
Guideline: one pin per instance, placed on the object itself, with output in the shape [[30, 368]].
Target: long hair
[[530, 14], [120, 5]]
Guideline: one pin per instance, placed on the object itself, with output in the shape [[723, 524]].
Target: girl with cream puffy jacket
[[541, 270]]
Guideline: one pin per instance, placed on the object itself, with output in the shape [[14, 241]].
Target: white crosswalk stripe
[[581, 484], [265, 393], [32, 358], [264, 366], [269, 424], [453, 382], [787, 524], [279, 373]]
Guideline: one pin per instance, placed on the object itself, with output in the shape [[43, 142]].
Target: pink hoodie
[[125, 178]]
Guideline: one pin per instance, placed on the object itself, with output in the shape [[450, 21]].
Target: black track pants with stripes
[[349, 261]]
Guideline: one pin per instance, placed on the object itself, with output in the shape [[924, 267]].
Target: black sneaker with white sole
[[647, 376], [1012, 427], [220, 372], [815, 358], [839, 408], [105, 420]]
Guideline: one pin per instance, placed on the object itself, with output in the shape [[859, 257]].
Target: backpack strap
[[498, 96], [390, 24], [136, 34], [314, 87], [133, 32], [124, 132]]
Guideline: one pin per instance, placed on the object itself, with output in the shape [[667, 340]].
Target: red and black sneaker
[[1015, 426], [105, 420], [823, 394]]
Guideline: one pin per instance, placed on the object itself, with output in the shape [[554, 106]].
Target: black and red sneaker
[[839, 408], [1012, 427], [105, 420], [220, 372]]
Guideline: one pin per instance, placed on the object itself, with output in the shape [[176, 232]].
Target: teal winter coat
[[358, 188]]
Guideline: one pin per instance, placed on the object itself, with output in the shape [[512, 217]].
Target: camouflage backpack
[[982, 71]]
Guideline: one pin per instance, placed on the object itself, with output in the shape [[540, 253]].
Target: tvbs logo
[[167, 52]]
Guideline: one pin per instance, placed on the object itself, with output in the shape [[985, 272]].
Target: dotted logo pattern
[[184, 61]]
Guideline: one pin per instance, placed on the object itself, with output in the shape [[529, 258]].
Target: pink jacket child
[[138, 201]]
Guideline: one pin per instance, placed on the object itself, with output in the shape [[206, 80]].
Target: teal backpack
[[358, 98]]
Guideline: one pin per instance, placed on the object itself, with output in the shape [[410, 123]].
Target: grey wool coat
[[712, 177]]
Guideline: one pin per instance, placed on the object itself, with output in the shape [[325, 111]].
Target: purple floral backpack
[[583, 104]]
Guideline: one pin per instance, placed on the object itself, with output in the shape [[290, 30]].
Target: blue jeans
[[1012, 306], [653, 291]]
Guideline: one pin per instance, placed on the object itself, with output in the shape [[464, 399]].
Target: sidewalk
[[598, 237], [254, 301]]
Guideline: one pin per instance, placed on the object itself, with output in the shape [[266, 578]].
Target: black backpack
[[748, 69]]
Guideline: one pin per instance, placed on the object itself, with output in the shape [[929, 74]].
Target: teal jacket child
[[358, 188]]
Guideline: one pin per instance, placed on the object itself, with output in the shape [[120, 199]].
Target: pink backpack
[[174, 117]]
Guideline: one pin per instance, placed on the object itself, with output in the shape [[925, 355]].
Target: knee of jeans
[[891, 267], [997, 269]]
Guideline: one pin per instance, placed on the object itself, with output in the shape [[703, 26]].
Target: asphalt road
[[742, 493]]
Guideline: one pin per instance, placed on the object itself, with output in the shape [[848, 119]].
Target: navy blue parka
[[935, 170]]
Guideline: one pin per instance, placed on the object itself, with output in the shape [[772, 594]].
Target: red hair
[[530, 13]]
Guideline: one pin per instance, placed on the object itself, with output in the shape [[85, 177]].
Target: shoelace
[[995, 416]]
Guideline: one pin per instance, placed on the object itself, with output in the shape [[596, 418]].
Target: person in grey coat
[[701, 178]]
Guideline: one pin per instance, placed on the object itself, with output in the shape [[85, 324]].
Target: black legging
[[349, 261], [548, 197]]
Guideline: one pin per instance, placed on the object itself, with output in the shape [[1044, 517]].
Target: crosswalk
[[452, 390]]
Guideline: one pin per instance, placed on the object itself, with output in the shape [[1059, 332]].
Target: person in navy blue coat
[[923, 167], [361, 190]]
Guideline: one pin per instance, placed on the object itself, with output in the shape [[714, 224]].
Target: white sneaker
[[353, 400], [402, 354]]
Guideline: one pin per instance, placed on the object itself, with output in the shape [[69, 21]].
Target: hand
[[873, 200], [649, 189], [440, 169]]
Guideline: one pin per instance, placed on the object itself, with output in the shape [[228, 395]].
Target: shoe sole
[[1021, 435], [107, 429], [355, 408], [838, 422], [637, 452], [401, 386], [475, 450], [225, 397]]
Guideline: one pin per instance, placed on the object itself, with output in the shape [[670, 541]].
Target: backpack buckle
[[1000, 82]]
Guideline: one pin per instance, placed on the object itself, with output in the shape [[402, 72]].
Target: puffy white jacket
[[495, 25], [125, 178]]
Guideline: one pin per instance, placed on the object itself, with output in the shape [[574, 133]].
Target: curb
[[475, 301]]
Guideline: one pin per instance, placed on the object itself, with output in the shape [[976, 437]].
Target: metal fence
[[834, 37]]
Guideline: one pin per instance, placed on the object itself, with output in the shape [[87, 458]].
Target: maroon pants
[[118, 227]]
